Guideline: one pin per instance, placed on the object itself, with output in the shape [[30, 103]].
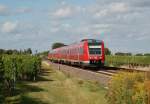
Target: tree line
[[130, 54], [15, 51]]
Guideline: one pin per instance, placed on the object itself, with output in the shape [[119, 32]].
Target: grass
[[53, 87]]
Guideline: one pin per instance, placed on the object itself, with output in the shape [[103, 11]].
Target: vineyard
[[15, 68], [128, 60]]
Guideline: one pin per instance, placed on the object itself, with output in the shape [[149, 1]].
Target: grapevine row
[[128, 60], [17, 67]]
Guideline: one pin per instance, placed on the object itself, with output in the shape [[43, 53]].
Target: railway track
[[107, 72], [110, 71], [124, 69], [102, 75]]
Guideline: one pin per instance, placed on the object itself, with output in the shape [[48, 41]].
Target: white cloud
[[9, 27], [3, 9], [54, 29], [119, 7], [63, 12], [7, 11], [142, 37], [100, 26], [67, 10], [101, 13], [110, 9]]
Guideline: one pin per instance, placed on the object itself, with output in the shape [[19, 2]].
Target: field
[[53, 87], [24, 80], [112, 60]]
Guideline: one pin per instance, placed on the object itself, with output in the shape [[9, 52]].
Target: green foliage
[[139, 54], [123, 54], [127, 60], [127, 88], [1, 80], [43, 54], [29, 51], [18, 67], [107, 51], [14, 51], [57, 45], [1, 68], [147, 54]]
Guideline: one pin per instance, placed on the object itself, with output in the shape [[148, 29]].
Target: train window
[[74, 51], [71, 51], [94, 51], [81, 50], [98, 41], [67, 51], [90, 41]]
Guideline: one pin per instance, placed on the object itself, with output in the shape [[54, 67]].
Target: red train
[[88, 52]]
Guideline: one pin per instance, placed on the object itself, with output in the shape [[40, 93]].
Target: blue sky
[[122, 24]]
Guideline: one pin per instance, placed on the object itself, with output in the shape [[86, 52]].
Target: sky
[[124, 25]]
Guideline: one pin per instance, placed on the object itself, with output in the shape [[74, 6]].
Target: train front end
[[95, 52]]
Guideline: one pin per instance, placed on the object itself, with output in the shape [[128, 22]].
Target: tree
[[2, 51], [123, 54], [128, 54], [57, 45], [139, 54], [147, 54], [9, 52], [29, 51], [107, 51], [15, 51], [45, 53]]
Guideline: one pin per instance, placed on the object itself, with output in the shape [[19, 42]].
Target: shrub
[[17, 67], [1, 80], [127, 88]]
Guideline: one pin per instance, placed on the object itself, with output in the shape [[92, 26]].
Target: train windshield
[[94, 46], [95, 49]]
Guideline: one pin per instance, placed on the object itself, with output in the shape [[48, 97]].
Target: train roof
[[91, 40]]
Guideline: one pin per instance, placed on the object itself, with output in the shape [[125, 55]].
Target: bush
[[128, 88], [1, 80], [17, 67]]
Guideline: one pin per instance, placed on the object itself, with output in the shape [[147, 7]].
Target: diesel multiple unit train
[[86, 53]]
